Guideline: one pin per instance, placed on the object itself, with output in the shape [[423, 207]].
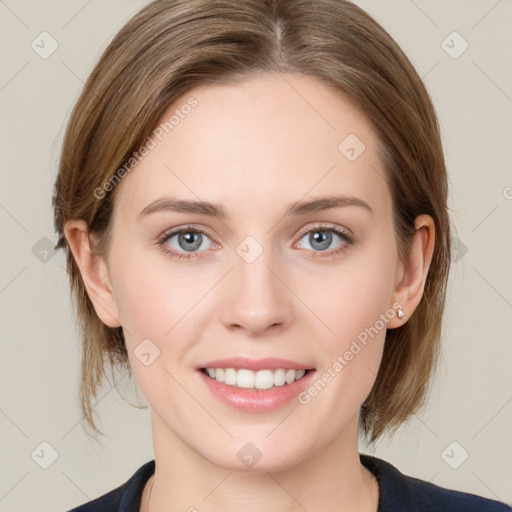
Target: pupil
[[190, 237], [323, 238]]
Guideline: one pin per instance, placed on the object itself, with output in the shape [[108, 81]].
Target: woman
[[253, 201]]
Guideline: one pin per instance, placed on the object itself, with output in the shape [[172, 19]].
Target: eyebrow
[[214, 210]]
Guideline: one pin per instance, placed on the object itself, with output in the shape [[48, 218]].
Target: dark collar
[[397, 493]]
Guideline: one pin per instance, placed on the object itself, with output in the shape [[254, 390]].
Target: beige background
[[471, 403]]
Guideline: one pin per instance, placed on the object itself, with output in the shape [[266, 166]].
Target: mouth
[[263, 379]]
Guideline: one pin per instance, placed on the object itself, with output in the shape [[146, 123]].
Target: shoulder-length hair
[[173, 46]]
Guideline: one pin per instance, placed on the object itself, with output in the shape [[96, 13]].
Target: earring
[[400, 313]]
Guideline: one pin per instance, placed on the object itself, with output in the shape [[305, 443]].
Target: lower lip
[[253, 400]]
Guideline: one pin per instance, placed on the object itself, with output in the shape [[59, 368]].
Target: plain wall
[[471, 402]]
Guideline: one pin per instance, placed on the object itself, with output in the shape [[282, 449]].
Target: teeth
[[262, 379]]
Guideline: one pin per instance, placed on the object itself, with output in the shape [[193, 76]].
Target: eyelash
[[162, 242]]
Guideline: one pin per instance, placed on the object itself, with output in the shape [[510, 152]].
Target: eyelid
[[328, 226], [185, 228], [345, 234], [320, 225]]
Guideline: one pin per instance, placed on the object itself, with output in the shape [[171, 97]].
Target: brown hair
[[172, 46]]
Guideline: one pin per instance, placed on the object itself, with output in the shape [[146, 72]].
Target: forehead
[[267, 141]]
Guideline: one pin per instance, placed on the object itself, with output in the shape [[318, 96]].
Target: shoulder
[[399, 492], [109, 502], [125, 498]]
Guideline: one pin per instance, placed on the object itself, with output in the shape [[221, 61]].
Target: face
[[312, 286]]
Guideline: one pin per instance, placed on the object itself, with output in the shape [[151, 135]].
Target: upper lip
[[267, 363]]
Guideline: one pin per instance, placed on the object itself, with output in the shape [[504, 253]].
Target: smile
[[256, 391], [249, 379]]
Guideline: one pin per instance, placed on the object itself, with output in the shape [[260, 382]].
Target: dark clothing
[[397, 493]]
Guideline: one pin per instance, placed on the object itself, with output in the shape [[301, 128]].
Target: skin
[[245, 146]]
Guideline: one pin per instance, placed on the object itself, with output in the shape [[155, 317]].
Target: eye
[[184, 242], [187, 242], [321, 238]]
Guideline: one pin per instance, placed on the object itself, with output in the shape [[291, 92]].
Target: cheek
[[357, 309], [161, 303], [151, 298], [355, 296], [154, 305], [144, 304]]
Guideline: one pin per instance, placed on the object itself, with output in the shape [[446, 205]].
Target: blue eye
[[187, 242], [321, 238], [188, 239]]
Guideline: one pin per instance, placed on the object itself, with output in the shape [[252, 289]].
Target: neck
[[331, 479]]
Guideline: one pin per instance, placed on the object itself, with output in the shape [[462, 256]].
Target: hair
[[173, 46]]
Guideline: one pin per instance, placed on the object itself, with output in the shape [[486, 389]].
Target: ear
[[412, 275], [94, 271]]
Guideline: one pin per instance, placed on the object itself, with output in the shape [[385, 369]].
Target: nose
[[258, 298]]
